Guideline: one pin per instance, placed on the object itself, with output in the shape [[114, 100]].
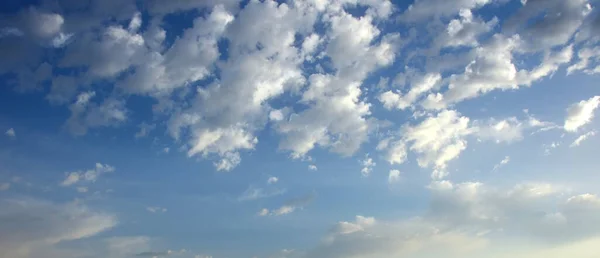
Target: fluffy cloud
[[436, 140], [581, 113]]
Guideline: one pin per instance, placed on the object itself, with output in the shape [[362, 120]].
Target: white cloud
[[86, 114], [360, 224], [394, 176], [424, 9], [579, 114], [367, 165], [156, 209], [312, 167], [502, 163], [437, 140], [582, 138], [22, 220], [87, 176], [10, 133], [272, 180], [585, 55], [263, 212], [474, 220], [289, 206]]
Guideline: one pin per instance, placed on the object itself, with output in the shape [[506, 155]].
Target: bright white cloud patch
[[581, 113]]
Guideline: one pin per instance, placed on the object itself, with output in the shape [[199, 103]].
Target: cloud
[[11, 133], [582, 138], [35, 228], [145, 129], [87, 176], [425, 9], [437, 140], [367, 165], [289, 206], [86, 114], [272, 180], [162, 253], [473, 220], [502, 163], [394, 176], [156, 209], [560, 21], [312, 167], [581, 113]]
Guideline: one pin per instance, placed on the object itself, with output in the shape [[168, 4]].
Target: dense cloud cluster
[[306, 71]]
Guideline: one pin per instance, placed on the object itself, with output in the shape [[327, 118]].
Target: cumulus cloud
[[581, 113]]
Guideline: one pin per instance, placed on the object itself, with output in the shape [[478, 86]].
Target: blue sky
[[300, 128]]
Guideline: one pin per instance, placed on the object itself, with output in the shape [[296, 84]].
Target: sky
[[299, 128]]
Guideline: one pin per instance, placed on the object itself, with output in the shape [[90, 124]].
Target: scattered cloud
[[582, 138], [367, 165], [501, 164], [289, 206], [11, 133], [88, 176], [394, 176], [581, 113], [272, 180], [312, 167], [156, 209]]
